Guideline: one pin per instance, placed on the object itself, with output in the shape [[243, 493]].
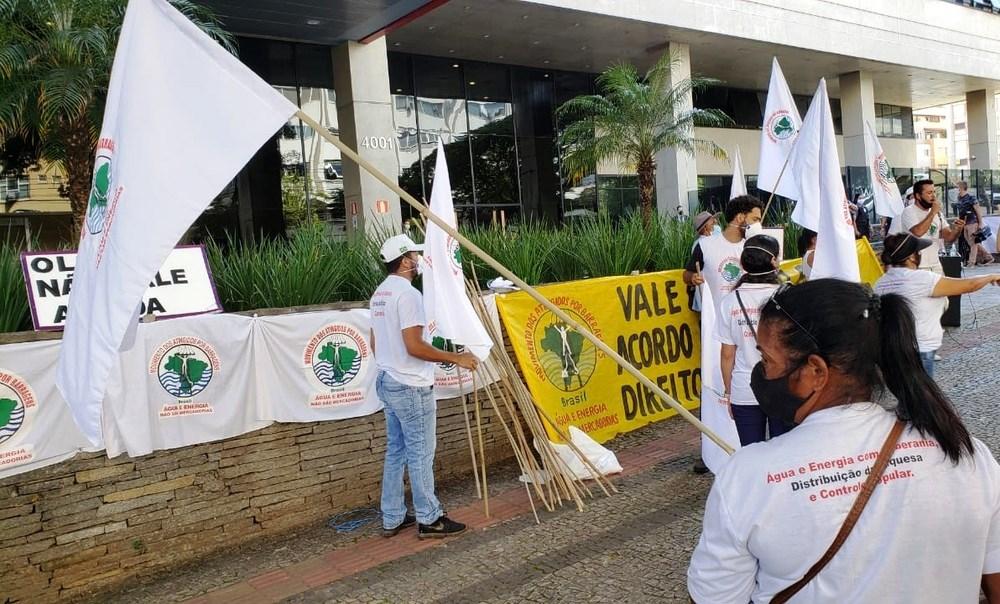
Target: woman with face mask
[[736, 329], [924, 495], [926, 291]]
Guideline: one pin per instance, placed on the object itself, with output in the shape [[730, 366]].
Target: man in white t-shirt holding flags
[[715, 263], [405, 385], [715, 260], [923, 219]]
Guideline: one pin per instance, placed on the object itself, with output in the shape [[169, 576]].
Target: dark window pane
[[495, 170], [533, 102], [490, 107], [272, 60], [314, 65], [400, 73], [456, 153], [568, 85], [539, 177], [438, 78]]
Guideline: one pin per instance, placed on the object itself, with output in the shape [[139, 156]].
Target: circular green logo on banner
[[16, 398], [567, 359]]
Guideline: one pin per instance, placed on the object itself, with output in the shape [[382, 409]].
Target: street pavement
[[631, 547]]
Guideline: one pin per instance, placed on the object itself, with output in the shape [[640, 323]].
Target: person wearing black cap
[[926, 291]]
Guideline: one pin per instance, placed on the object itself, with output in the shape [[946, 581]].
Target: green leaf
[[7, 407]]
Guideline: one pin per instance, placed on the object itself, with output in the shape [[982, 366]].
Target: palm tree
[[633, 118], [55, 66]]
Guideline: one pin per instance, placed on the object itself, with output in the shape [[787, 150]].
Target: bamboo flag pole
[[507, 274], [775, 188]]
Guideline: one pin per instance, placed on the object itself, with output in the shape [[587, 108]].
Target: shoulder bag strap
[[746, 315], [888, 447]]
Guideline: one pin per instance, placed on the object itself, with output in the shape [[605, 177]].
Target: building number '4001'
[[376, 142]]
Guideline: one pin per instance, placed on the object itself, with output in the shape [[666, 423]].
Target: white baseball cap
[[396, 246]]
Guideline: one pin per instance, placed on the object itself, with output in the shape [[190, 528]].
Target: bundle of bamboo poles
[[548, 475]]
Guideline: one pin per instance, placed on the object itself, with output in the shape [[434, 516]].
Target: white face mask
[[753, 229], [419, 268], [716, 230]]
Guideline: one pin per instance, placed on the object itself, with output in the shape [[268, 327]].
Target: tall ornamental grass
[[14, 312]]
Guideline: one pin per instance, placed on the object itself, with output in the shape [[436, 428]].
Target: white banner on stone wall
[[36, 427], [451, 381], [186, 381], [315, 366]]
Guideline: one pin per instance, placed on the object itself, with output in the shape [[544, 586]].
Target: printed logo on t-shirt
[[933, 230], [730, 269]]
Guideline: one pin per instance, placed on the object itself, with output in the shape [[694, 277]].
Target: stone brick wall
[[89, 523]]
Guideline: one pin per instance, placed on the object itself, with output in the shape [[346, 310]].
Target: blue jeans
[[410, 426], [927, 358], [753, 426]]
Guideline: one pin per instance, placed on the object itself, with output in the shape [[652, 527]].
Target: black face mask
[[774, 397]]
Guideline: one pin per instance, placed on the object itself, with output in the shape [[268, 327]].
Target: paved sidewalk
[[632, 546]]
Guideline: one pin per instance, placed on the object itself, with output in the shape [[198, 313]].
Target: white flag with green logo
[[182, 117], [780, 128], [450, 317], [739, 186], [888, 201]]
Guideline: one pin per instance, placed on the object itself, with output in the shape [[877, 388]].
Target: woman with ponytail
[[736, 326], [924, 495], [926, 291]]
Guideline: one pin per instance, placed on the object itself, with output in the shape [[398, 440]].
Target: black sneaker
[[408, 521], [699, 466], [442, 527]]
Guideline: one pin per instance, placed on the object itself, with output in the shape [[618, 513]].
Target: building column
[[981, 112], [677, 170], [857, 106], [364, 114]]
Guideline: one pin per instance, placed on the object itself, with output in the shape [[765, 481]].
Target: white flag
[[713, 413], [822, 205], [739, 186], [888, 201], [447, 308], [182, 117], [781, 124]]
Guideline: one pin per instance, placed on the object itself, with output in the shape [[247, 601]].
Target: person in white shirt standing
[[926, 291], [736, 329], [923, 219], [705, 225], [715, 260], [405, 385], [930, 530]]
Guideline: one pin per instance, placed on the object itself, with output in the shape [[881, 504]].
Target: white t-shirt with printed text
[[929, 532], [914, 215], [917, 286], [395, 306], [731, 328]]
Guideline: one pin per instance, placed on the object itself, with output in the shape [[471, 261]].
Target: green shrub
[[605, 248], [14, 311], [677, 239], [304, 269]]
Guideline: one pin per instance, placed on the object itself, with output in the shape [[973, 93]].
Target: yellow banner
[[645, 318], [868, 263]]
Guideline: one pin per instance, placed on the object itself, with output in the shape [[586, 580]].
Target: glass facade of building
[[498, 128]]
